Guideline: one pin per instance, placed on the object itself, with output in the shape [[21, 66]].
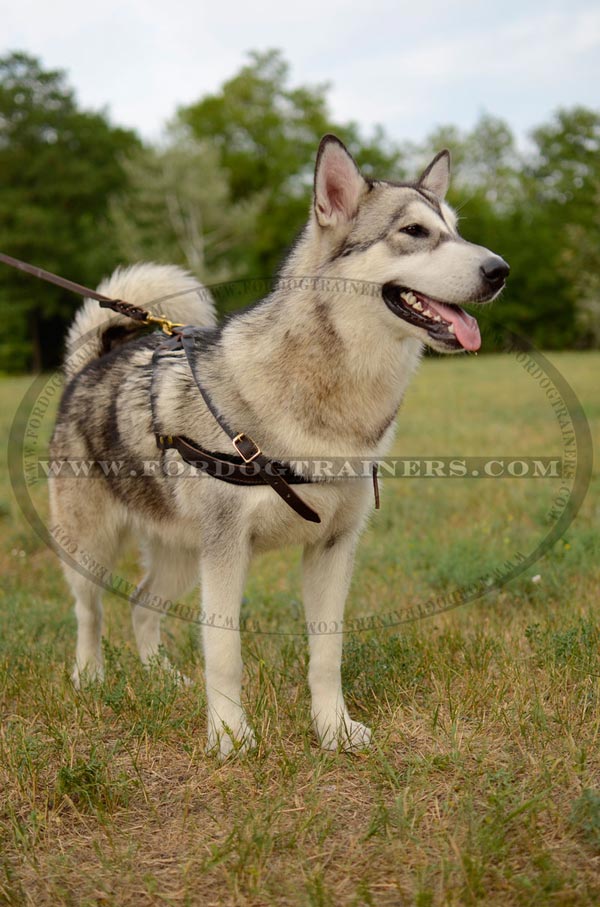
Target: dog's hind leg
[[327, 570], [86, 532], [172, 570], [88, 610]]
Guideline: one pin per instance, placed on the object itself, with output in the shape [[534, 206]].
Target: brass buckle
[[236, 442], [168, 327]]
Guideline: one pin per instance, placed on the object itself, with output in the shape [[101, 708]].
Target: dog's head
[[403, 237]]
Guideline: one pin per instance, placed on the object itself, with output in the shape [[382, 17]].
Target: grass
[[483, 785]]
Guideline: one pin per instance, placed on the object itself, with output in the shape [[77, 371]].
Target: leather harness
[[250, 466]]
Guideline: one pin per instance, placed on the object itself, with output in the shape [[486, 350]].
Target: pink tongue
[[465, 326]]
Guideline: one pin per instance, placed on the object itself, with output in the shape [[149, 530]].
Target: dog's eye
[[415, 230]]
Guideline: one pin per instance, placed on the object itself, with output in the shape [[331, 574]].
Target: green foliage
[[59, 165], [373, 664], [88, 784], [177, 208], [580, 266], [568, 158], [576, 645], [585, 815]]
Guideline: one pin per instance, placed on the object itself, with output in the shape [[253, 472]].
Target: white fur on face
[[451, 273], [443, 265]]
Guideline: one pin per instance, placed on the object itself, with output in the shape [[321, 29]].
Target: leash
[[117, 305], [251, 466]]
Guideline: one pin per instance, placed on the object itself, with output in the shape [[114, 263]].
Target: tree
[[485, 161], [177, 208], [59, 166], [563, 178], [567, 160], [581, 267], [266, 134]]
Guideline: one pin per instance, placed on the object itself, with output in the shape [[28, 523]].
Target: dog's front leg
[[223, 577], [327, 570]]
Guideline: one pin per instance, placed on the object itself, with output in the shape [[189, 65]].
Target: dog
[[315, 369]]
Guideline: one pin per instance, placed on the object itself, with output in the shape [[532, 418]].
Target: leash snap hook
[[168, 327]]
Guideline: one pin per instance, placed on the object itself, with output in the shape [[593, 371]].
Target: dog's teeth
[[450, 328], [411, 300], [437, 318]]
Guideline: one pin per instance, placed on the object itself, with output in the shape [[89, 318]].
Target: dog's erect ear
[[436, 178], [338, 183]]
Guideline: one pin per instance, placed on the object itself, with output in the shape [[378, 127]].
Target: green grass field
[[483, 785]]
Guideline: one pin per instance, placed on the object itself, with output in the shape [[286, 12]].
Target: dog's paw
[[355, 737], [346, 735], [226, 738], [83, 675]]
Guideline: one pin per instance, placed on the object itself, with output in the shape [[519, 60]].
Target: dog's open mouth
[[446, 323]]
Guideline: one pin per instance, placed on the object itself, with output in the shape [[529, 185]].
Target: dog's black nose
[[495, 270]]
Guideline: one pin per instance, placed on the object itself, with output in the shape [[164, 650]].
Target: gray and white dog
[[314, 370]]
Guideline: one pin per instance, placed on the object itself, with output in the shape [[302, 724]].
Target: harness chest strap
[[277, 475], [236, 471]]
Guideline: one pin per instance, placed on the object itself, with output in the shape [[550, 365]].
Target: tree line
[[228, 186]]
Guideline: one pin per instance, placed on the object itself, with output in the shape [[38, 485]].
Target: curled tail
[[162, 289]]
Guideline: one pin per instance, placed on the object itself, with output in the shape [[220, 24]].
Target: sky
[[407, 66]]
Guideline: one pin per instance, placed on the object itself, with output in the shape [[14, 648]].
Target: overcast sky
[[409, 66]]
